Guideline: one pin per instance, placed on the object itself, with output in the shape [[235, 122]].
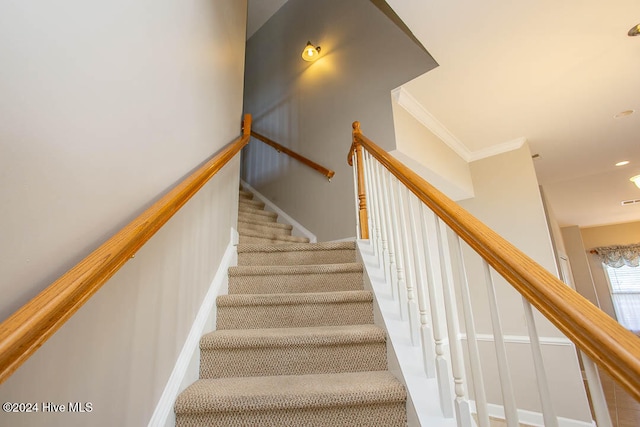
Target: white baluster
[[386, 204], [383, 220], [598, 401], [400, 281], [435, 286], [355, 166], [482, 412], [408, 267], [373, 213], [425, 330], [376, 208], [549, 415], [416, 291], [462, 408], [508, 397]]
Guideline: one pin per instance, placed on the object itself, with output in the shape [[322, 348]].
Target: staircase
[[295, 342]]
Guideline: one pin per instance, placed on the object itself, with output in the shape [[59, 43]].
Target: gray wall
[[309, 107], [105, 106]]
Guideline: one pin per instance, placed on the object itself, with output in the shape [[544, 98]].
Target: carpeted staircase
[[295, 343]]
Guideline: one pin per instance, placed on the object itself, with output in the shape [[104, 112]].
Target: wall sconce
[[634, 31], [310, 52], [635, 180]]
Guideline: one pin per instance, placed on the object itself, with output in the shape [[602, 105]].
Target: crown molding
[[413, 107], [493, 150], [404, 99]]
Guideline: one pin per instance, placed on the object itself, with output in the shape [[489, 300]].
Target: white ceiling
[[554, 73]]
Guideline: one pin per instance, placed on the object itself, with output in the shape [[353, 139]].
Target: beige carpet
[[295, 343]]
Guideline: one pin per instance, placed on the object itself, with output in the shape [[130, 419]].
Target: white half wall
[[105, 106]]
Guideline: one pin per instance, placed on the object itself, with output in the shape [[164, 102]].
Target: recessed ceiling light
[[625, 113], [623, 163]]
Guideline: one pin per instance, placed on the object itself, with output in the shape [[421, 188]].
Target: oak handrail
[[612, 347], [28, 328], [282, 149]]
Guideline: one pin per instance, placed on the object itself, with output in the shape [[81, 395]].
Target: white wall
[[508, 200], [309, 107], [580, 268], [426, 154], [104, 107]]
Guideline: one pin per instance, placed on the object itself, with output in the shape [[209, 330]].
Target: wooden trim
[[282, 149], [605, 341], [362, 197], [29, 327]]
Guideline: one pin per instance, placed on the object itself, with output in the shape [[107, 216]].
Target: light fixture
[[310, 52], [634, 31], [623, 163], [635, 180]]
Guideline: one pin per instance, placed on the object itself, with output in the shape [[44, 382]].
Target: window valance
[[617, 256]]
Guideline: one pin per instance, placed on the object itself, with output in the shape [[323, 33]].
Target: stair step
[[245, 216], [251, 236], [246, 195], [256, 311], [256, 204], [292, 351], [297, 253], [265, 227], [354, 399], [295, 278], [253, 211]]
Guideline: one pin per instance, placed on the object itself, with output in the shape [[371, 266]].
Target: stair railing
[[417, 232], [28, 328], [305, 161]]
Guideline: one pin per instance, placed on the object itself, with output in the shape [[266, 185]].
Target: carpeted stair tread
[[255, 311], [245, 216], [242, 208], [237, 300], [296, 253], [280, 270], [246, 279], [292, 351], [255, 204], [283, 392], [252, 236], [324, 246], [278, 337], [246, 195], [266, 226]]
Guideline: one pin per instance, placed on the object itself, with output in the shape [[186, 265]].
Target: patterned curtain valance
[[617, 256]]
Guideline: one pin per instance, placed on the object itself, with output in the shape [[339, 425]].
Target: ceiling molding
[[497, 149], [404, 99], [413, 107]]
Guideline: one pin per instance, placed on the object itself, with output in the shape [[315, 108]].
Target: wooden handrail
[[28, 328], [282, 149], [605, 341]]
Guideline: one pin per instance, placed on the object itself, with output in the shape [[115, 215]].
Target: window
[[624, 283]]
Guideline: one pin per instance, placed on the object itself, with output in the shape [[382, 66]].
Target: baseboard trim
[[163, 415], [531, 418], [298, 229]]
